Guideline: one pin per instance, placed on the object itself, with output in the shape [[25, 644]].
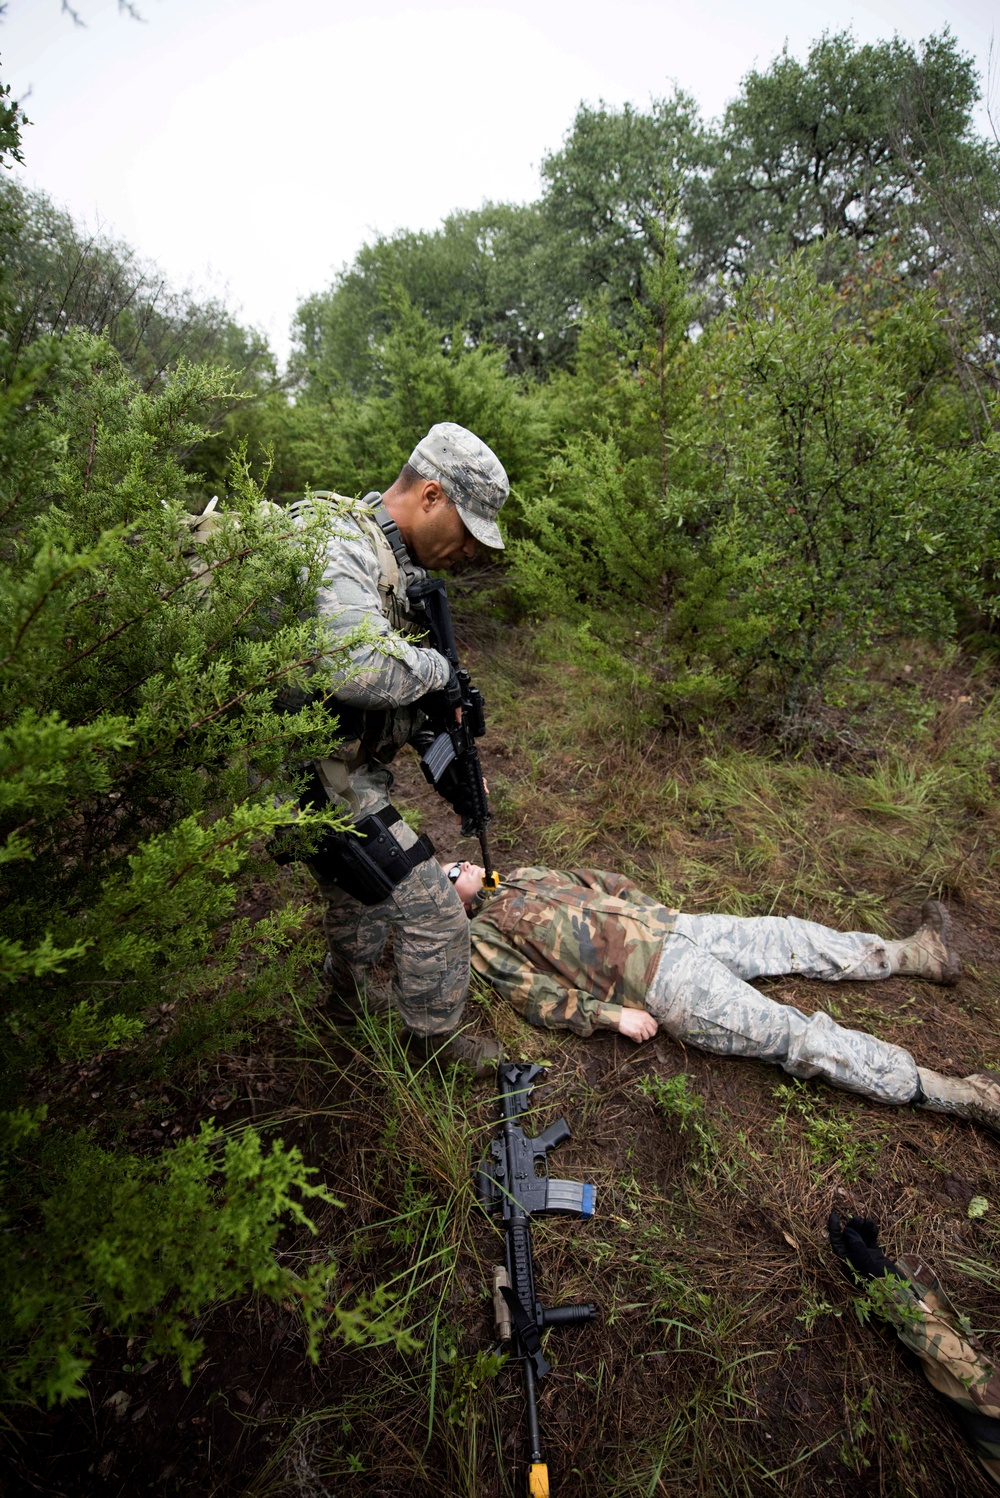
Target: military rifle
[[451, 762], [513, 1181]]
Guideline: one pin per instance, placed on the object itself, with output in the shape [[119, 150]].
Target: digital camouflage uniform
[[571, 949], [364, 589]]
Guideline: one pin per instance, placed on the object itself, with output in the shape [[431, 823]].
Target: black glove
[[856, 1240], [440, 705]]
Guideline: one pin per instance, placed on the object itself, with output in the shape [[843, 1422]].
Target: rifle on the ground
[[513, 1180], [451, 761]]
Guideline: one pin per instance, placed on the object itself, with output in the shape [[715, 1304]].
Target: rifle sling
[[527, 1331], [391, 532]]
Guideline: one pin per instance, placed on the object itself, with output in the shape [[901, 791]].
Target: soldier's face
[[469, 881], [439, 538]]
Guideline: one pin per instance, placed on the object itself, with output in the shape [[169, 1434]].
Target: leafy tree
[[484, 272], [61, 280], [12, 120], [604, 195], [957, 211], [829, 150], [514, 277]]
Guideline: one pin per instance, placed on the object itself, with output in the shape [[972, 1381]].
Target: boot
[[976, 1097], [928, 953], [478, 1054]]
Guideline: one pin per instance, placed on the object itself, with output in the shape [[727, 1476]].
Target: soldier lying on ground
[[587, 950]]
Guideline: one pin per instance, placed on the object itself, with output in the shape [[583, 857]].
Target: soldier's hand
[[637, 1024]]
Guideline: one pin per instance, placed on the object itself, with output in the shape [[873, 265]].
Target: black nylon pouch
[[368, 867], [340, 859]]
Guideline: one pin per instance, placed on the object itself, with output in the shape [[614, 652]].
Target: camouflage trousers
[[428, 928], [701, 997]]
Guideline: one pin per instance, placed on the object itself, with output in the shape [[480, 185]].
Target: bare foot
[[637, 1024]]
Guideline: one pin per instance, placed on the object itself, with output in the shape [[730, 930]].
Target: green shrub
[[143, 762], [834, 522], [632, 428], [145, 1246]]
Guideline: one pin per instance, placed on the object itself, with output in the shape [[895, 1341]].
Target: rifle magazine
[[439, 756], [574, 1198]]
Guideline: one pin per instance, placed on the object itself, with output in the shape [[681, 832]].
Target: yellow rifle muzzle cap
[[538, 1481]]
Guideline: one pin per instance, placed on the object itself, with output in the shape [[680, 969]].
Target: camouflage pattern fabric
[[364, 592], [571, 949], [699, 996], [953, 1361], [768, 945], [429, 930], [469, 472]]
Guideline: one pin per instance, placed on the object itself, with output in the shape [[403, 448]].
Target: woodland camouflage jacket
[[570, 949], [927, 1322]]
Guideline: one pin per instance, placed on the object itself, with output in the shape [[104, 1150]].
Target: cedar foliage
[[143, 764]]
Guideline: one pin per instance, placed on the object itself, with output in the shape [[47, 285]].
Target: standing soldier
[[387, 882]]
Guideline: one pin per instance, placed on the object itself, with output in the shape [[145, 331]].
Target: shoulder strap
[[395, 565], [391, 532], [391, 579]]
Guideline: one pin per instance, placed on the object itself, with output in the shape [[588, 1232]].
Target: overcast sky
[[250, 147]]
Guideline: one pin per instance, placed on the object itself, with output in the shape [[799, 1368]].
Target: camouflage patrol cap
[[469, 472]]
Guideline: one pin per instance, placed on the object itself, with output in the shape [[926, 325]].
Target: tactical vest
[[368, 734], [372, 734], [369, 866], [374, 520]]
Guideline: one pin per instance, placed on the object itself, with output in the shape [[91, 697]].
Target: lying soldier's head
[[466, 877]]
